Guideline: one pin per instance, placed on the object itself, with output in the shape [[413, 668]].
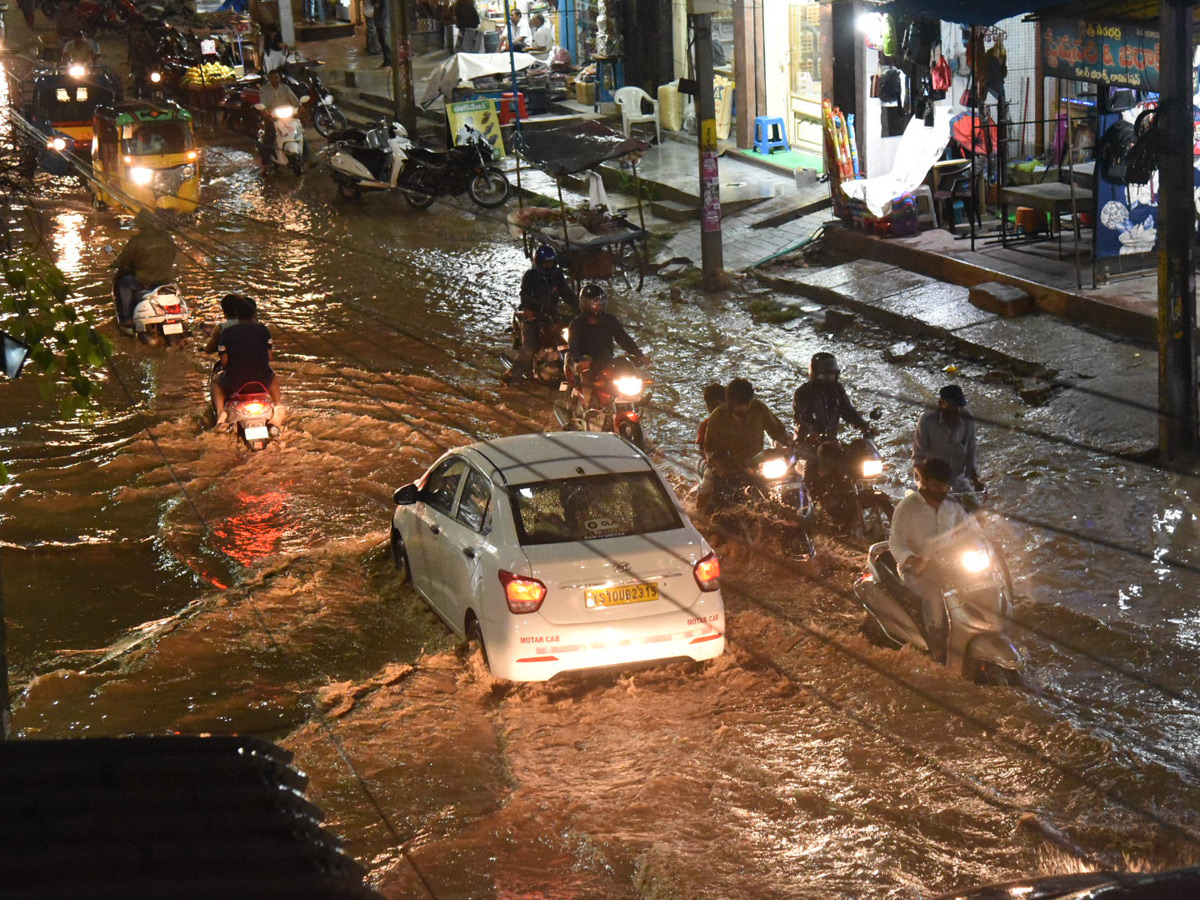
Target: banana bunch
[[209, 73]]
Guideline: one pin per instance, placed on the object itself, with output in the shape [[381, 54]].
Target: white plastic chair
[[631, 101]]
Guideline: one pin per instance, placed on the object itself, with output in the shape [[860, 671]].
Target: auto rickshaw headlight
[[141, 175], [187, 171], [57, 143], [77, 71]]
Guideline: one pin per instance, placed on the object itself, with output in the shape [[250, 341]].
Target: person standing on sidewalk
[[383, 29], [372, 47], [466, 17]]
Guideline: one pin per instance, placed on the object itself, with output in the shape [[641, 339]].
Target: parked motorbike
[[160, 315], [977, 592], [249, 413], [775, 493], [617, 398], [281, 138], [552, 347], [320, 105], [374, 160], [467, 167]]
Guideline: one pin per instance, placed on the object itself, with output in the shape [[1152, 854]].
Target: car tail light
[[708, 573], [524, 595]]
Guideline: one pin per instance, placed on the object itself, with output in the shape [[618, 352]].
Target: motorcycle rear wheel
[[489, 189], [328, 120], [421, 192]]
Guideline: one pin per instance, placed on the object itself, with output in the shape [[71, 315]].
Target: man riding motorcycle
[[734, 436], [271, 96], [818, 407], [948, 433], [543, 288], [591, 337], [924, 523], [147, 261]]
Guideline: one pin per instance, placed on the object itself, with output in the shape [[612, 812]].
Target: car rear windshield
[[601, 506]]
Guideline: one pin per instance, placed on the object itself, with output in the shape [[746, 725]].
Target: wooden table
[[1052, 197]]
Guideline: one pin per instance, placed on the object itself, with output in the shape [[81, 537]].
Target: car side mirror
[[406, 496]]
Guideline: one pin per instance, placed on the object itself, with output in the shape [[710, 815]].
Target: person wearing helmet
[[948, 433], [147, 261], [820, 404], [734, 436], [543, 288], [592, 336]]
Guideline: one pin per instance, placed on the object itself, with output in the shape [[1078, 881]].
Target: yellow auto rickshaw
[[145, 155]]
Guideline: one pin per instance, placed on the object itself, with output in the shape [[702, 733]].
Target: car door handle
[[469, 552], [434, 529]]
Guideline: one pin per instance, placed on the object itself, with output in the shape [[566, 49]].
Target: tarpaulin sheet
[[465, 66], [574, 148]]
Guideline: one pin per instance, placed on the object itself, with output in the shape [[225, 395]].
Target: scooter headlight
[[284, 112], [141, 175], [773, 468], [976, 561], [872, 468], [155, 77], [57, 143], [77, 71], [628, 385]]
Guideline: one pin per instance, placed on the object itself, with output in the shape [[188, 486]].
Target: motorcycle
[[617, 398], [552, 347], [160, 314], [249, 413], [374, 160], [775, 491], [977, 593], [319, 104], [466, 167], [282, 131], [843, 478]]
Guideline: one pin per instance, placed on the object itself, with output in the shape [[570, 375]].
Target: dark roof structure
[[574, 148]]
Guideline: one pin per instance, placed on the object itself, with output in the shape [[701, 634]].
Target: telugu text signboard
[[1106, 53]]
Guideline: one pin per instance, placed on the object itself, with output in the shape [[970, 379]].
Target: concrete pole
[[1178, 401], [402, 86], [287, 25], [711, 250]]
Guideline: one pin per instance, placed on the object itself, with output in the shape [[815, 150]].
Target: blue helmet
[[545, 254]]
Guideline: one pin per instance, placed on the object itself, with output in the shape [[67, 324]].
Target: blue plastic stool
[[764, 131]]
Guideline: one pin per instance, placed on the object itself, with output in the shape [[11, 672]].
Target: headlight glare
[[628, 385], [141, 175], [872, 468], [775, 467], [975, 561]]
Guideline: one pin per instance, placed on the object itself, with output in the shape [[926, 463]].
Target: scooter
[[617, 398], [370, 161], [160, 315], [286, 137], [977, 593], [249, 413]]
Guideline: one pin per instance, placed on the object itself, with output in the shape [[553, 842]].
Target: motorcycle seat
[[885, 565], [431, 158], [377, 161]]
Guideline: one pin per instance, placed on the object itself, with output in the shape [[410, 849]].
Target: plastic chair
[[631, 101], [764, 135]]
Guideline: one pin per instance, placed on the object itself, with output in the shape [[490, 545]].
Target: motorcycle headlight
[[57, 143], [141, 175], [628, 385], [775, 467], [975, 561], [872, 468], [156, 77], [284, 112], [77, 71], [566, 335]]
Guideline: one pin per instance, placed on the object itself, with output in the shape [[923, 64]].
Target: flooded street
[[158, 578]]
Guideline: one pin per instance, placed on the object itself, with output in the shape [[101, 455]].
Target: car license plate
[[256, 433], [173, 328], [620, 594]]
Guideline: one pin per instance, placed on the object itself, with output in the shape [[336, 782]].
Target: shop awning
[[574, 148]]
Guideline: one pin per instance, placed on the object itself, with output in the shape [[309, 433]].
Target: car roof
[[547, 456]]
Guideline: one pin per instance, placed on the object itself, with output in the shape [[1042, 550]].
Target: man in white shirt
[[519, 30], [541, 37], [924, 524]]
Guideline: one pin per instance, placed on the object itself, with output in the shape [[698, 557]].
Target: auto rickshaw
[[145, 156], [59, 103]]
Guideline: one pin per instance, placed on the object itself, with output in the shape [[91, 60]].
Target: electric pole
[[711, 252], [1178, 401], [402, 86]]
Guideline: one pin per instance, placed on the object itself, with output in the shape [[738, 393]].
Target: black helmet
[[545, 254], [593, 299], [823, 367]]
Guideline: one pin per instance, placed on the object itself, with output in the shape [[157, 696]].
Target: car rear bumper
[[543, 651]]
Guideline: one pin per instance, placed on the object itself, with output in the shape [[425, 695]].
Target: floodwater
[[157, 578]]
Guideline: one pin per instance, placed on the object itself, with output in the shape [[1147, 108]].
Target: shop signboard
[[480, 115], [1101, 52]]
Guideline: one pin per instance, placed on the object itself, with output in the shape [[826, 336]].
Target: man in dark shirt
[[466, 17], [543, 288], [591, 338], [147, 261], [819, 406], [246, 351]]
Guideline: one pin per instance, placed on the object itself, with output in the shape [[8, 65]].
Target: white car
[[558, 552]]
